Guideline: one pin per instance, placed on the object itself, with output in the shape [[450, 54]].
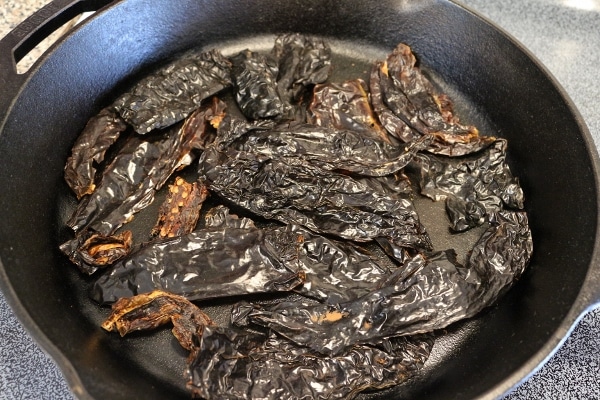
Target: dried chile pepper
[[139, 169], [231, 256], [171, 93], [269, 367], [151, 310], [234, 258], [330, 149], [180, 211], [205, 122], [90, 147], [408, 106], [303, 61], [91, 251], [336, 271], [346, 106], [255, 83], [393, 124], [472, 188], [395, 185], [295, 192], [431, 294]]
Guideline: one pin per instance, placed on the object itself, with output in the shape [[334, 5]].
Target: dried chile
[[408, 106], [295, 192], [255, 83], [231, 256], [91, 251], [336, 271], [269, 367], [430, 294], [212, 262], [393, 124], [170, 94], [157, 308], [180, 211], [140, 168], [330, 149], [474, 188], [205, 122], [303, 62], [394, 185], [90, 147], [346, 106]]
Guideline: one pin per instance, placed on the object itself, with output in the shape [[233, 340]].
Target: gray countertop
[[565, 36]]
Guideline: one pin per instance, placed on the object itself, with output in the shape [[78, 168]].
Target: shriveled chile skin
[[295, 192], [303, 62], [437, 292], [346, 106], [337, 271], [331, 149], [392, 123], [101, 132], [170, 94], [474, 188], [131, 180], [151, 310], [269, 367], [233, 258], [405, 100], [255, 85]]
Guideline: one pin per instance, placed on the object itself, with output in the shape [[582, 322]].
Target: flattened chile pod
[[140, 168], [270, 367], [331, 149], [151, 310], [230, 259], [255, 85], [433, 293], [303, 62], [101, 132], [170, 94], [233, 257], [473, 189], [295, 192], [407, 105], [346, 106]]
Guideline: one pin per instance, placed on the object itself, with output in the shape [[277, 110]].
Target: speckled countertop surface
[[565, 36]]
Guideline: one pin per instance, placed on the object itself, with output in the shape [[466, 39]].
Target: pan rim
[[585, 300]]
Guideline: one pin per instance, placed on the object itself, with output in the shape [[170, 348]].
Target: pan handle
[[28, 34]]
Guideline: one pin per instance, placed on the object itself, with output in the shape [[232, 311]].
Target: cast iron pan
[[496, 83]]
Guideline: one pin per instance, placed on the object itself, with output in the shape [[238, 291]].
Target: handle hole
[[47, 25], [25, 55]]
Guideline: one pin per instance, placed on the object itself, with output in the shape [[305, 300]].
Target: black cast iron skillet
[[496, 83]]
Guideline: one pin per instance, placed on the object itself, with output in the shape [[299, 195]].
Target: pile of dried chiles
[[303, 175]]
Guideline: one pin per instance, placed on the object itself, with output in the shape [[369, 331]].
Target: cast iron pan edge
[[589, 296], [53, 15], [14, 46]]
